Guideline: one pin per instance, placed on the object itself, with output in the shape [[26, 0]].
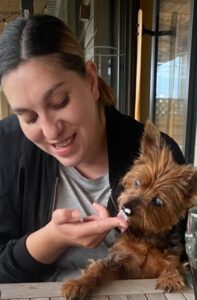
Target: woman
[[62, 152]]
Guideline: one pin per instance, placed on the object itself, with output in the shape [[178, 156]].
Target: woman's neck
[[96, 164]]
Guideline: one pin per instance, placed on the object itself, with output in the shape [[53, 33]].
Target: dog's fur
[[158, 191]]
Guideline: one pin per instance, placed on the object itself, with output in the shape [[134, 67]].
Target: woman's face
[[57, 109]]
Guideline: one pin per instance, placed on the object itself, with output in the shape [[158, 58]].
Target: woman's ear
[[91, 72]]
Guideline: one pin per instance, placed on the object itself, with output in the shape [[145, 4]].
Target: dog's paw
[[75, 290], [171, 284]]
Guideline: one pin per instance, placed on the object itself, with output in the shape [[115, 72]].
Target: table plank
[[175, 296], [44, 298], [137, 297], [118, 297], [99, 298], [155, 296], [127, 287], [112, 288], [189, 296], [31, 290]]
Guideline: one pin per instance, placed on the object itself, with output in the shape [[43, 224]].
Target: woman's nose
[[52, 128]]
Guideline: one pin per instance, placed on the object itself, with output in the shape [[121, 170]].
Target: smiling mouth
[[65, 143]]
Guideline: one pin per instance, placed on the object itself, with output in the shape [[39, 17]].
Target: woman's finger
[[90, 218], [101, 210], [67, 215], [95, 227]]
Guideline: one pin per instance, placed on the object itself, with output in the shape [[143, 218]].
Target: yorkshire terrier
[[157, 192]]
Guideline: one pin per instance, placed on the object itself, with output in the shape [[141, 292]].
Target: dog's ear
[[151, 140]]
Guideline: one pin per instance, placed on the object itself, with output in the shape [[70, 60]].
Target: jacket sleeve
[[16, 205], [16, 264]]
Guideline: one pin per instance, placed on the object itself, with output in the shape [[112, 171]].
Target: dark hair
[[42, 35]]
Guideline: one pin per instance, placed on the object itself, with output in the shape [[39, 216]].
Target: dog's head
[[156, 190]]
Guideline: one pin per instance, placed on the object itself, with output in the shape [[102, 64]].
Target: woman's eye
[[31, 121], [137, 184], [28, 120], [157, 202], [61, 104]]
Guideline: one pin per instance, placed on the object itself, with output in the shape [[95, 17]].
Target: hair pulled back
[[39, 35]]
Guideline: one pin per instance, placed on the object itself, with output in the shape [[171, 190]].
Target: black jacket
[[27, 184]]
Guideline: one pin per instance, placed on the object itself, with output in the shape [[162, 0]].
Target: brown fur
[[147, 249]]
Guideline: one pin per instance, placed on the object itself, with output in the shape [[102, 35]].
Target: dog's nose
[[130, 206]]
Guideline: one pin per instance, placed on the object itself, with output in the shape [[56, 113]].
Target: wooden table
[[115, 290]]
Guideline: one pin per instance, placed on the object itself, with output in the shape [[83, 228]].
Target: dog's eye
[[137, 184], [157, 202]]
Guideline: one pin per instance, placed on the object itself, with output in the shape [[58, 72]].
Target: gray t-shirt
[[76, 191]]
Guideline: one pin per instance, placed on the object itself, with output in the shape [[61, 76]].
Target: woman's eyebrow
[[45, 97], [50, 91]]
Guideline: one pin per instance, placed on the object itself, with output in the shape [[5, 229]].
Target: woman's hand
[[67, 229]]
